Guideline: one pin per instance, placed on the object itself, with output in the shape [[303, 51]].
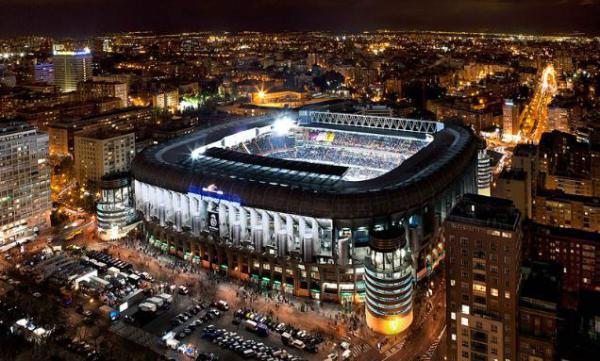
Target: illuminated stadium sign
[[214, 192]]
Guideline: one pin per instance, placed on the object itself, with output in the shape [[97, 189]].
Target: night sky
[[88, 17]]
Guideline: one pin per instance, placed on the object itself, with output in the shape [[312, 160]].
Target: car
[[87, 313], [222, 305], [346, 355], [248, 353], [36, 294], [332, 356], [207, 356], [345, 345], [298, 344], [281, 328], [183, 290], [311, 347]]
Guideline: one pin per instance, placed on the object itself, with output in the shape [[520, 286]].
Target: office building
[[70, 68], [483, 239], [24, 183]]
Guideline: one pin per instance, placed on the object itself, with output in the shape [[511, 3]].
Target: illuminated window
[[494, 292], [464, 321], [506, 294], [479, 288], [453, 315], [452, 282], [465, 309], [453, 337]]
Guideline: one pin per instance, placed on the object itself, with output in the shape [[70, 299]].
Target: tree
[[330, 80]]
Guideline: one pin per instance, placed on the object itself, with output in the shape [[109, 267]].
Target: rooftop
[[102, 133], [487, 212], [571, 234], [525, 149], [541, 286], [517, 174], [9, 127]]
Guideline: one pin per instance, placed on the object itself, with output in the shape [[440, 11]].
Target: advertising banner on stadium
[[213, 221]]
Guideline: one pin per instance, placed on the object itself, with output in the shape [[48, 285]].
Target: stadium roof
[[299, 188], [250, 159], [374, 131]]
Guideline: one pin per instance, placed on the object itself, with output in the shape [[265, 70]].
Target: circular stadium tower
[[389, 282], [115, 211]]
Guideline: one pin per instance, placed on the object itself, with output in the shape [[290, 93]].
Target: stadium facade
[[305, 203]]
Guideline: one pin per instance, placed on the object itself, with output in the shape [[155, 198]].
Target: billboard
[[213, 221]]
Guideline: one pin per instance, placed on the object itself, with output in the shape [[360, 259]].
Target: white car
[[298, 344], [346, 355], [345, 345]]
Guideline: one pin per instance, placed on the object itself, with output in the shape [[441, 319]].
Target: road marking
[[391, 352]]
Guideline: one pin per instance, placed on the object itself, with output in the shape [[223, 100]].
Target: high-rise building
[[71, 67], [24, 183], [101, 152], [510, 117], [483, 238]]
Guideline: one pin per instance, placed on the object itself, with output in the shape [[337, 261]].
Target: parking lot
[[193, 327]]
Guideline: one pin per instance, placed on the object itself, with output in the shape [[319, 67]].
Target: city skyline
[[71, 18], [300, 181]]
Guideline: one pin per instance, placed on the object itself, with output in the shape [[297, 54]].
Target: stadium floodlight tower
[[389, 282], [283, 125]]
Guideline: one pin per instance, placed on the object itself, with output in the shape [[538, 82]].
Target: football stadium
[[336, 207]]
